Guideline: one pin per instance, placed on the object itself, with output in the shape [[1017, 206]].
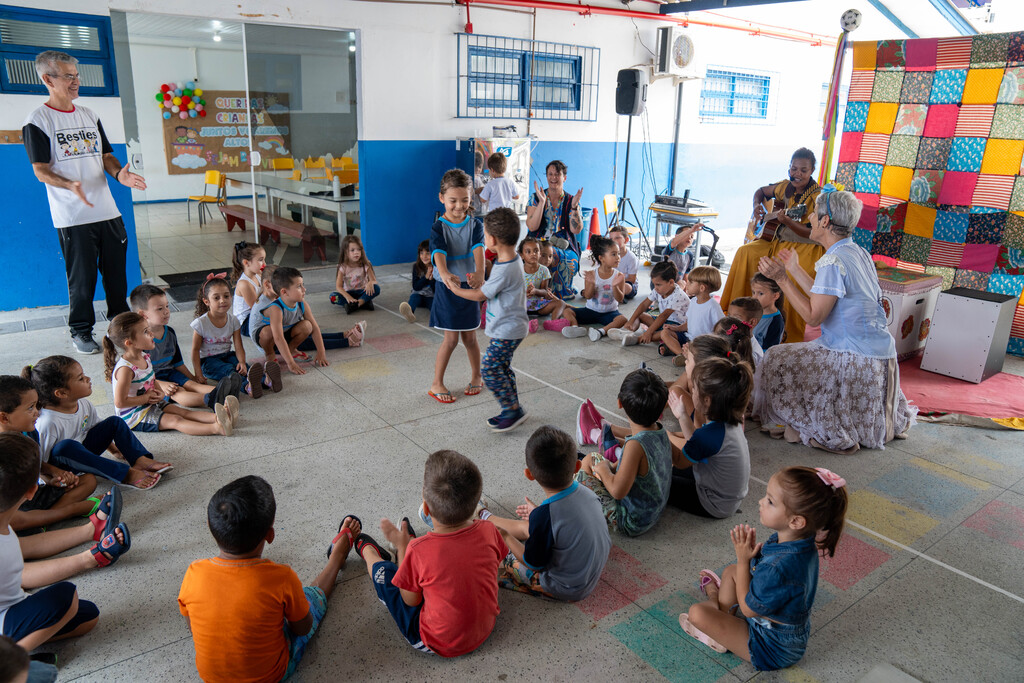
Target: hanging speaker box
[[631, 92]]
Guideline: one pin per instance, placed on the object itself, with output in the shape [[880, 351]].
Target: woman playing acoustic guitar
[[797, 195]]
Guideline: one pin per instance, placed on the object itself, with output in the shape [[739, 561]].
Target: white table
[[299, 192]]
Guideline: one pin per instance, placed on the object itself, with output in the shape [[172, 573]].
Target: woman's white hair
[[843, 211], [46, 62]]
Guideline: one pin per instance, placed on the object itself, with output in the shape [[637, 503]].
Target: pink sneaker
[[585, 426], [534, 325], [555, 325], [595, 415]]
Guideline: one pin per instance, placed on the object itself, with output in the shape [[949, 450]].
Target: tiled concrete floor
[[928, 577]]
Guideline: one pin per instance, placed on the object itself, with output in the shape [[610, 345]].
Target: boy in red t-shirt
[[251, 618], [443, 593]]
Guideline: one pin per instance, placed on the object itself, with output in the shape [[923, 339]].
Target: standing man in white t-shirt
[[70, 153]]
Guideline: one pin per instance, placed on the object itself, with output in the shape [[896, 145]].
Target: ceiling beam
[[701, 5], [953, 16], [896, 21]]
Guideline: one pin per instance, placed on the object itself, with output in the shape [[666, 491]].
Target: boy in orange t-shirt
[[237, 602], [443, 591]]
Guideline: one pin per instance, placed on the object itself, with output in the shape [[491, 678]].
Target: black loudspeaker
[[631, 92]]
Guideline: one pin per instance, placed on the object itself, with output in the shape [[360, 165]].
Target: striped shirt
[[143, 379]]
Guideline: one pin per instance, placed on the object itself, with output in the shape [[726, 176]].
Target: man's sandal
[[110, 505], [109, 545], [363, 540], [344, 531]]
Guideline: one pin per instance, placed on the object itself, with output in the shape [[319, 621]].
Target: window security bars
[[733, 94]]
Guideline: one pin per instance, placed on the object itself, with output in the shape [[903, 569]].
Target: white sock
[[485, 513]]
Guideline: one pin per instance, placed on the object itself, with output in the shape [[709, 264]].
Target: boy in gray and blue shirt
[[507, 322]]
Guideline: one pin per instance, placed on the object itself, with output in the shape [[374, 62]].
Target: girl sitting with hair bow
[[740, 337], [760, 608]]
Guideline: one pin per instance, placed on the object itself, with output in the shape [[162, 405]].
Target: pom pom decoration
[[167, 114], [191, 84], [187, 91], [167, 97], [198, 92], [202, 113], [164, 88], [185, 99], [191, 105], [183, 114], [192, 113], [199, 107], [177, 92], [175, 109], [171, 86], [159, 97]]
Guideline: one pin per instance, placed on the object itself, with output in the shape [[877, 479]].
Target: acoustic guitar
[[764, 229]]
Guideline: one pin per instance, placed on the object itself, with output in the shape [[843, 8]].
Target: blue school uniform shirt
[[166, 353], [784, 580], [769, 329], [457, 242]]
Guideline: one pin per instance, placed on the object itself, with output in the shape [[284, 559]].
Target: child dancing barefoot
[[604, 289], [422, 284], [356, 282], [457, 249], [137, 401], [773, 583], [248, 260]]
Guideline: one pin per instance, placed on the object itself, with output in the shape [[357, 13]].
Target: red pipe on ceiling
[[585, 10]]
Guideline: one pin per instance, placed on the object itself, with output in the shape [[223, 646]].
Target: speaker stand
[[643, 248]]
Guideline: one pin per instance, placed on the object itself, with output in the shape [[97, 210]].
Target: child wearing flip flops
[[61, 494], [760, 608], [251, 619], [557, 549], [672, 304], [72, 436], [441, 604], [55, 611]]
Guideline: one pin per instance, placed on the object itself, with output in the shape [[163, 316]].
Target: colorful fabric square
[[953, 53], [992, 191], [1008, 122], [915, 249], [865, 55], [903, 151], [979, 257], [891, 218], [887, 200], [881, 117], [1011, 89], [948, 86], [1009, 263], [917, 86], [1004, 283], [1002, 157], [887, 87], [889, 55], [941, 121], [989, 50], [958, 188], [920, 222], [1015, 50], [947, 254], [933, 153], [868, 217], [1014, 231], [849, 148], [947, 274], [910, 119], [966, 154], [861, 85], [951, 227], [863, 238], [986, 228], [971, 279], [982, 86], [856, 117], [924, 188], [896, 182], [1017, 198], [920, 54], [869, 178], [974, 120], [887, 244], [874, 148], [845, 174]]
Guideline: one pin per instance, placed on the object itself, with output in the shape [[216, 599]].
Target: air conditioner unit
[[675, 54]]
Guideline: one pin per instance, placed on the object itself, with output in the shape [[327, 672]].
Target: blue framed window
[[735, 94], [495, 77], [554, 81], [24, 33]]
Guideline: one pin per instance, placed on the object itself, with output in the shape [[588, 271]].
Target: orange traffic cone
[[595, 225]]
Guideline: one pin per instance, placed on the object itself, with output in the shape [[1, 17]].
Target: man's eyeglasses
[[70, 78]]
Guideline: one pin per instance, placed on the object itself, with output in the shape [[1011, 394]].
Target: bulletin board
[[219, 141], [932, 144]]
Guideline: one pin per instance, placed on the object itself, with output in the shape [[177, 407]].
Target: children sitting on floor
[[54, 612], [748, 309], [704, 311], [356, 281], [441, 590], [173, 377], [771, 329], [61, 494], [286, 322], [711, 467], [634, 491], [137, 399], [629, 265], [604, 289], [72, 436], [250, 618], [773, 583], [557, 549], [248, 260], [739, 335], [672, 304], [540, 300], [422, 284], [213, 331], [700, 349]]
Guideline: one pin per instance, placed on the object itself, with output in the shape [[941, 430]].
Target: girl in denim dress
[[760, 608]]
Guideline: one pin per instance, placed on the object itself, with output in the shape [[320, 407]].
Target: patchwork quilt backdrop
[[932, 144]]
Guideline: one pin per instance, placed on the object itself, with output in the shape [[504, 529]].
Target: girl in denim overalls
[[760, 608]]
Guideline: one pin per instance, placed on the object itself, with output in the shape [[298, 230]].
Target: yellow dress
[[744, 264]]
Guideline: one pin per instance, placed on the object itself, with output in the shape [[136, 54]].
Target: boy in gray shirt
[[507, 322], [557, 549]]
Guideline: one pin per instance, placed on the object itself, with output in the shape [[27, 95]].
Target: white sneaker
[[574, 332], [631, 339], [405, 309], [617, 333], [596, 333]]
